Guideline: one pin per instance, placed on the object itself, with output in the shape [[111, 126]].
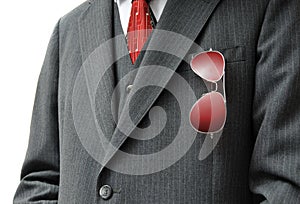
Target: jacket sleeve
[[275, 165], [40, 171]]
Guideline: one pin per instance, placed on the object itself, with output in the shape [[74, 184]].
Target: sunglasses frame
[[216, 90]]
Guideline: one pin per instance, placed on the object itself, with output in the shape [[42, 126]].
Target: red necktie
[[139, 28]]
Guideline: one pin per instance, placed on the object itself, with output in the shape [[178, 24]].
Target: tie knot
[[147, 1]]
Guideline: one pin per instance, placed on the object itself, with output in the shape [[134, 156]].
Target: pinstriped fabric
[[257, 157], [43, 135], [277, 148]]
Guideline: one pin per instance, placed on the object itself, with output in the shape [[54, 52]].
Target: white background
[[26, 27]]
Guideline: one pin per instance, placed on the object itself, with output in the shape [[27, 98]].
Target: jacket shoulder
[[71, 18]]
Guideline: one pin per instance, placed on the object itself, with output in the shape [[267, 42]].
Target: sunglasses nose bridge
[[216, 86], [211, 89]]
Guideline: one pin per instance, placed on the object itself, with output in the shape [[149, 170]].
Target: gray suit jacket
[[257, 157]]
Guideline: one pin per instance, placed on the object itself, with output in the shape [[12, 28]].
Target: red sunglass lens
[[209, 113], [209, 65]]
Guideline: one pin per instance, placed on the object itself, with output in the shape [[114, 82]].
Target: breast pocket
[[232, 55]]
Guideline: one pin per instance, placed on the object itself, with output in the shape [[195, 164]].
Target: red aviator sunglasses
[[208, 114]]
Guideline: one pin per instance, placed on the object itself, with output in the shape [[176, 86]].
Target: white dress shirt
[[124, 6]]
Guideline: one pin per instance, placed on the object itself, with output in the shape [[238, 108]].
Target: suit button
[[129, 87], [105, 192]]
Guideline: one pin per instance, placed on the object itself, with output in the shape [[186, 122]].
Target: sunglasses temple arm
[[224, 91]]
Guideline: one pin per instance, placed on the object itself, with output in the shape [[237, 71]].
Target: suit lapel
[[185, 18], [95, 26], [95, 29]]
